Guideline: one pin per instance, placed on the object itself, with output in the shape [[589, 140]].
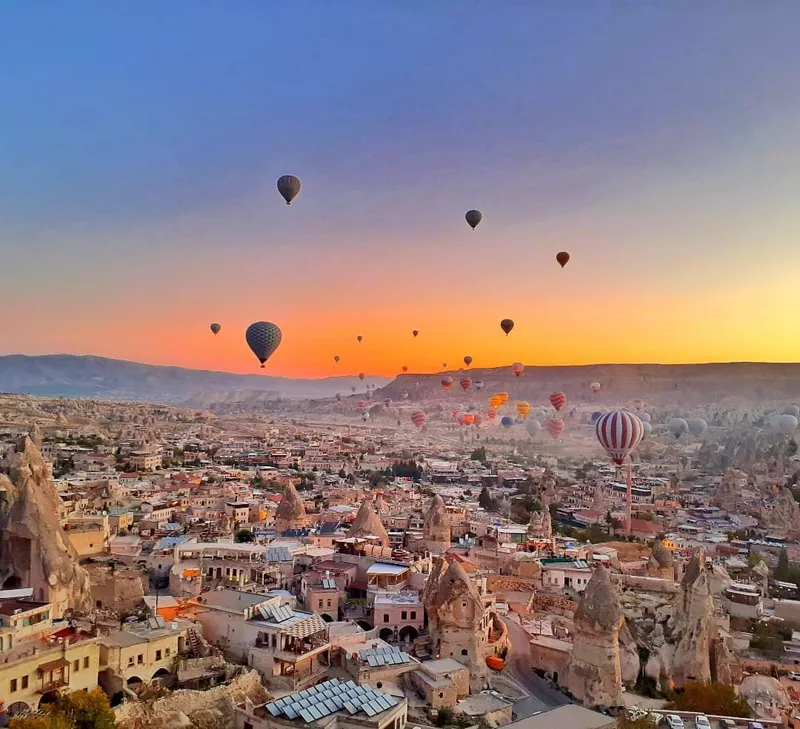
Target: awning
[[53, 665]]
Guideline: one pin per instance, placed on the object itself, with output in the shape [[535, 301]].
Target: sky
[[658, 143]]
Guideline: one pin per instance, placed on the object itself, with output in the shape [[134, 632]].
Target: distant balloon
[[558, 400], [215, 328], [405, 396], [339, 396], [387, 402], [359, 337], [555, 427], [465, 383], [638, 403], [361, 404], [473, 217], [507, 421], [595, 387], [523, 409], [468, 360], [562, 258], [648, 429], [792, 410], [491, 414], [507, 325], [495, 401], [405, 368], [444, 365], [503, 397], [361, 376], [534, 427], [419, 418], [415, 332], [288, 187], [678, 426], [365, 416], [644, 417], [596, 415], [353, 388], [447, 383], [785, 424], [518, 368], [336, 358], [697, 426], [619, 432], [478, 385], [263, 338], [467, 419]]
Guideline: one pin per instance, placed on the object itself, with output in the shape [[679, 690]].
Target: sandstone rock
[[291, 513], [367, 523], [436, 527]]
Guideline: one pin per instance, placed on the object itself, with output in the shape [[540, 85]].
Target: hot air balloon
[[785, 424], [503, 397], [405, 396], [596, 415], [444, 365], [647, 429], [478, 419], [405, 368], [361, 376], [533, 427], [473, 217], [465, 383], [387, 402], [792, 410], [365, 415], [562, 258], [523, 408], [619, 432], [507, 421], [558, 400], [361, 404], [518, 368], [215, 328], [677, 426], [507, 325], [353, 388], [415, 332], [468, 360], [468, 419], [288, 187], [595, 387], [336, 358], [697, 426], [638, 403], [555, 427], [644, 417], [263, 338], [478, 385], [491, 414], [359, 337], [418, 418], [339, 396], [446, 383]]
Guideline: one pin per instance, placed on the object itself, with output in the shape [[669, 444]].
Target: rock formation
[[594, 672], [290, 514], [540, 525], [368, 524], [34, 550], [436, 527], [455, 611], [661, 563]]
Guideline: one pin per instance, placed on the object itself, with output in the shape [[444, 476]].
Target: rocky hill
[[735, 385], [65, 375]]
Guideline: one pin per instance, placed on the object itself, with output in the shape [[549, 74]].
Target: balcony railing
[[53, 685]]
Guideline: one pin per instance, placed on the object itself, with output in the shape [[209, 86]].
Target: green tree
[[485, 500], [625, 721], [711, 698], [80, 710], [479, 454], [784, 570], [243, 535]]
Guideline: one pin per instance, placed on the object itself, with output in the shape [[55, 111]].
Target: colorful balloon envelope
[[477, 419], [677, 426], [619, 432], [503, 397], [697, 426], [523, 408], [478, 385], [263, 338], [595, 387], [518, 368], [507, 421], [465, 383], [558, 400], [361, 404], [596, 415], [405, 368], [419, 418], [447, 383], [555, 427], [495, 401], [468, 419], [491, 414]]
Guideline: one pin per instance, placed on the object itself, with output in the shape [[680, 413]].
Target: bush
[[710, 698]]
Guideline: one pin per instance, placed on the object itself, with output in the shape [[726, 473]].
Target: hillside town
[[260, 572]]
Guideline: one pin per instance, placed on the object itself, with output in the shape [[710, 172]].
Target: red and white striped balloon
[[558, 400], [619, 432], [555, 427], [466, 383], [518, 368], [418, 418]]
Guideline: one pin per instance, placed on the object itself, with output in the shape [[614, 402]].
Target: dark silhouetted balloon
[[473, 217], [507, 325], [288, 187], [415, 332], [215, 328], [263, 338], [562, 258]]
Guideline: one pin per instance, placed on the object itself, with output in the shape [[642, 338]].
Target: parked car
[[701, 722], [674, 722], [727, 724], [793, 676]]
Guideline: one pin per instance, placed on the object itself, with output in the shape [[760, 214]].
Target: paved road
[[518, 663]]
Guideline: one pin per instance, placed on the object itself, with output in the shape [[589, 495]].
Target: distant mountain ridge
[[67, 375]]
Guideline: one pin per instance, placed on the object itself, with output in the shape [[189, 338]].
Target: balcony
[[53, 685]]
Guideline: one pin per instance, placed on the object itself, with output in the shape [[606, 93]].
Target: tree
[[243, 535], [479, 454], [81, 710], [711, 698], [626, 721], [485, 500]]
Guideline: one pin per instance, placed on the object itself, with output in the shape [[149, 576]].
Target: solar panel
[[274, 710], [369, 710], [350, 708], [290, 712], [306, 716], [372, 660]]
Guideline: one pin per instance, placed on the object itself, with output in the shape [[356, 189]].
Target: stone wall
[[556, 604]]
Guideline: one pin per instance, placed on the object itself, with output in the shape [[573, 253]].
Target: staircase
[[194, 643]]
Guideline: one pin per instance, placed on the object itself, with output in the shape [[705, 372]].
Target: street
[[542, 695]]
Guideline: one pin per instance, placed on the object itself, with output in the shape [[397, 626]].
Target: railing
[[53, 685]]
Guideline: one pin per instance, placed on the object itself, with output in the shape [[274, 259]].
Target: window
[[13, 686], [130, 660], [248, 725], [385, 618], [140, 659], [329, 603], [24, 682], [76, 664], [158, 655], [404, 615], [441, 695], [413, 614], [320, 603], [167, 651], [86, 661], [464, 652]]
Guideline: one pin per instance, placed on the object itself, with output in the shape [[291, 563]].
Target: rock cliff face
[[661, 562], [594, 670], [34, 550], [436, 527]]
